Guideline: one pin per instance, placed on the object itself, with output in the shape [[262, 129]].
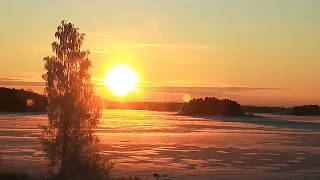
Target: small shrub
[[129, 178]]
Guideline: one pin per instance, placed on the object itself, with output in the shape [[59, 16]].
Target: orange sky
[[252, 51]]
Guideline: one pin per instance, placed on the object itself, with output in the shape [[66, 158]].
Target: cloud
[[100, 34], [143, 44], [175, 93], [183, 46], [8, 79], [20, 83], [195, 83], [99, 52], [206, 91], [29, 75], [162, 92], [171, 87]]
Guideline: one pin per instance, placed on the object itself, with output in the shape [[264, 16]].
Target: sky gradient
[[253, 51]]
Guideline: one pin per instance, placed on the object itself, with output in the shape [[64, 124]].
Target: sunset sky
[[254, 51]]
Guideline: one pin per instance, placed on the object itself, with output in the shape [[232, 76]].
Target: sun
[[121, 79]]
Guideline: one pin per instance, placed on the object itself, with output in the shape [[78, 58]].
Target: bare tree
[[73, 109]]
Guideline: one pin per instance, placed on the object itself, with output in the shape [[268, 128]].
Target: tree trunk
[[64, 149]]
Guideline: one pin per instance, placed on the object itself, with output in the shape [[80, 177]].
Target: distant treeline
[[20, 100], [306, 110], [152, 106], [176, 106], [211, 106], [266, 109]]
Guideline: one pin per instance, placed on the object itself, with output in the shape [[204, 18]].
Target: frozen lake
[[181, 147]]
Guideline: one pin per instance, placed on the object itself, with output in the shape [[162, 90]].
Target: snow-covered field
[[177, 147]]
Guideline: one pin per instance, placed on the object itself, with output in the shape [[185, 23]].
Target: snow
[[182, 147]]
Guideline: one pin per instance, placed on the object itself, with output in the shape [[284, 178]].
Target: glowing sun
[[121, 79]]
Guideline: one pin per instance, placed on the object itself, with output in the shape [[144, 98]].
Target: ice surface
[[182, 147]]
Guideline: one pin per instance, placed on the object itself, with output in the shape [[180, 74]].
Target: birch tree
[[73, 109]]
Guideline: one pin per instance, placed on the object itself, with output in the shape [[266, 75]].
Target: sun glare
[[121, 79]]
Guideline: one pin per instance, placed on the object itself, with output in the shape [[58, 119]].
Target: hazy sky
[[253, 51]]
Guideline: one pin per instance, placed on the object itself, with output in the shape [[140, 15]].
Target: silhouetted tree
[[73, 109], [211, 106], [306, 110]]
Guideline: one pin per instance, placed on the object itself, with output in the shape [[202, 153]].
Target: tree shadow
[[266, 121]]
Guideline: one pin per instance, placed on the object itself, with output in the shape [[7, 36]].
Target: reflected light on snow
[[178, 146]]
